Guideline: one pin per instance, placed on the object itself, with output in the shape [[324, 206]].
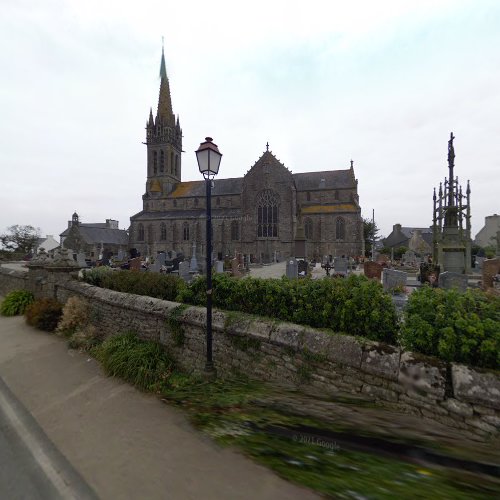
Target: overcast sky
[[381, 82]]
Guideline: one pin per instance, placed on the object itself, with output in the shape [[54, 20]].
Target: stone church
[[258, 215]]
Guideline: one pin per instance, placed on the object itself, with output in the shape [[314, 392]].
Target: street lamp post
[[209, 157]]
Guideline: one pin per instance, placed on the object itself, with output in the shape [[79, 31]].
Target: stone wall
[[289, 354]]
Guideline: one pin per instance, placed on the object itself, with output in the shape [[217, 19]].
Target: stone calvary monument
[[451, 222]]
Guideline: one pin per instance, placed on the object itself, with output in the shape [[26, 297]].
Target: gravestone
[[372, 270], [491, 267], [80, 259], [409, 258], [302, 267], [292, 268], [429, 273], [219, 266], [393, 280], [193, 265], [340, 265], [159, 263], [479, 262], [184, 270], [449, 279], [121, 255], [135, 264], [235, 270]]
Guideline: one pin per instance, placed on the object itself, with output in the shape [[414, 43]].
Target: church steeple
[[164, 143], [165, 113]]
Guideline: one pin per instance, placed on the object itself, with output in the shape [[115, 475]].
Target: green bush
[[354, 305], [143, 363], [160, 286], [16, 302], [44, 314], [95, 275], [459, 327]]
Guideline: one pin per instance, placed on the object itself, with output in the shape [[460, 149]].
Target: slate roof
[[329, 179], [197, 188], [100, 233], [217, 213], [306, 181]]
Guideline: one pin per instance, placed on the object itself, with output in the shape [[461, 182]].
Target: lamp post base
[[209, 373]]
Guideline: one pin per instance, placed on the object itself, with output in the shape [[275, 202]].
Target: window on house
[[217, 201], [336, 195], [140, 232], [155, 162], [235, 230], [172, 171], [340, 229], [308, 196], [267, 214], [185, 231], [163, 231], [308, 226], [162, 161], [177, 165]]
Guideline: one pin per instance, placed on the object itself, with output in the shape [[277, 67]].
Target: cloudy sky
[[382, 82]]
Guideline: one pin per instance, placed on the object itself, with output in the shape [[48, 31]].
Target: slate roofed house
[[94, 239], [418, 239]]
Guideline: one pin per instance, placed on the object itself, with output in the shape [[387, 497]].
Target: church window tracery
[[267, 214], [185, 231], [308, 227], [162, 161], [163, 231], [155, 162], [235, 230], [340, 229], [140, 232]]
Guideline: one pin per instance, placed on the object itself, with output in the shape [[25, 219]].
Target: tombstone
[[135, 264], [479, 262], [302, 267], [409, 258], [193, 265], [80, 259], [219, 266], [393, 280], [372, 270], [449, 279], [235, 268], [429, 273], [159, 263], [292, 268], [340, 265], [491, 267], [184, 270]]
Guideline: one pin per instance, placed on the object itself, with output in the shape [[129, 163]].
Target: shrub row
[[454, 326], [160, 286], [354, 305]]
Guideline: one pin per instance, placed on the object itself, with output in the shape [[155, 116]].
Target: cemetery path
[[121, 442]]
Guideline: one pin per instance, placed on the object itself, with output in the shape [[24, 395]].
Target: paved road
[[123, 443]]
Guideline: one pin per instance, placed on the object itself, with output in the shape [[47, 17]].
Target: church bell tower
[[164, 143]]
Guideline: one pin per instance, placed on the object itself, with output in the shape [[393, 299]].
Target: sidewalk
[[125, 444]]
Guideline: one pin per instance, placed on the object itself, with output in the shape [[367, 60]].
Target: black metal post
[[209, 366]]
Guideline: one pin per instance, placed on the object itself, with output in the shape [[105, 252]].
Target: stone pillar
[[62, 269]]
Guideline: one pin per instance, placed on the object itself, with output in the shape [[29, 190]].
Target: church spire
[[164, 113]]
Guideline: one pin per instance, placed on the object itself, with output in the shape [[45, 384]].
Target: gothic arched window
[[162, 161], [308, 196], [340, 229], [177, 165], [308, 226], [172, 171], [163, 231], [267, 214], [150, 234], [235, 230], [155, 162], [185, 231], [217, 202], [336, 195], [196, 202], [140, 233]]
